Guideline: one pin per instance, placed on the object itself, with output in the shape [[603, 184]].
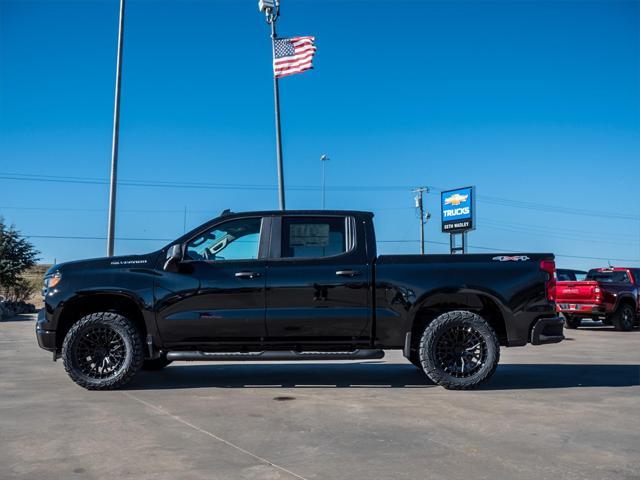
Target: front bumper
[[46, 338], [547, 330]]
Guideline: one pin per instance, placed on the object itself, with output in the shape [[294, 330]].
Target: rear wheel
[[623, 318], [102, 351], [571, 321], [459, 350]]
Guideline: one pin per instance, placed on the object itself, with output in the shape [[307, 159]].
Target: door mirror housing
[[174, 258]]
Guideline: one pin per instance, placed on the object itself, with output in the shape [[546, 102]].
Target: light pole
[[271, 9], [111, 226], [423, 217], [323, 159]]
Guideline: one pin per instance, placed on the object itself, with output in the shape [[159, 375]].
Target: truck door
[[318, 280], [219, 293]]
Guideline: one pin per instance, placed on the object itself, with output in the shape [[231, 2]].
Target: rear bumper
[[46, 338], [547, 330], [582, 308]]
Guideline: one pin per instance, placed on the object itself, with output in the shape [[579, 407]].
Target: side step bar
[[271, 355]]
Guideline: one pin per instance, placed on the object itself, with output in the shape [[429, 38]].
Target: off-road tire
[[624, 318], [119, 327], [470, 324], [572, 322], [153, 364]]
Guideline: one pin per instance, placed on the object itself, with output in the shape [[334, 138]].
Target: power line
[[80, 237], [492, 200]]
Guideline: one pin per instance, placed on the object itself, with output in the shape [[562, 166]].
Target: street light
[[323, 159], [265, 5]]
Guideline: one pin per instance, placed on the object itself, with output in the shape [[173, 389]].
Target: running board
[[271, 355]]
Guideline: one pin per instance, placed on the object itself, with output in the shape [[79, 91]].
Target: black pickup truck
[[294, 285]]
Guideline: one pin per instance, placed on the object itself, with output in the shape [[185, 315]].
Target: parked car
[[608, 294], [568, 274], [294, 285]]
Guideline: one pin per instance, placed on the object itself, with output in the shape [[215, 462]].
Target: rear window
[[570, 275], [608, 277]]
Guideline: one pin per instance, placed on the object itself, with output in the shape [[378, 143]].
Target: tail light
[[549, 266], [598, 292]]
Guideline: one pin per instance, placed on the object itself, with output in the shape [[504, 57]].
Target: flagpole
[[111, 226], [276, 98]]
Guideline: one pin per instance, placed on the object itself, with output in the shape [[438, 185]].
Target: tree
[[16, 256]]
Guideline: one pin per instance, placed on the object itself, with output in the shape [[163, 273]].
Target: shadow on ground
[[378, 375]]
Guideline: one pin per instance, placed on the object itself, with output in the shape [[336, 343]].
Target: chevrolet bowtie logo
[[455, 199]]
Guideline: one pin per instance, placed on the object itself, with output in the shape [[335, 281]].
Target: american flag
[[292, 55]]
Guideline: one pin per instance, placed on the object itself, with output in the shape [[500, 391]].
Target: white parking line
[[212, 435]]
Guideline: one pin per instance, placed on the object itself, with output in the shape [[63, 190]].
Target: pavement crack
[[212, 435]]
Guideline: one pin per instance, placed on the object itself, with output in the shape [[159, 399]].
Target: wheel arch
[[481, 303], [81, 305], [626, 300]]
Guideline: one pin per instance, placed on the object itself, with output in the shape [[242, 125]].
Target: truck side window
[[232, 240], [313, 237]]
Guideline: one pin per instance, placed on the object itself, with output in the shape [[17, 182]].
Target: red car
[[609, 294]]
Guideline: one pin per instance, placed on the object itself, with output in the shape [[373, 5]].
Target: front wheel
[[459, 350], [102, 351], [623, 318]]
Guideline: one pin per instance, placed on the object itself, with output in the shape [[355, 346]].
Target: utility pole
[[420, 191], [323, 160], [111, 227], [271, 9]]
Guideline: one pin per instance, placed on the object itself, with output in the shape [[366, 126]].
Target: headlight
[[51, 281]]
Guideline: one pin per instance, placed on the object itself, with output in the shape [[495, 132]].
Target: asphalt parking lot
[[567, 411]]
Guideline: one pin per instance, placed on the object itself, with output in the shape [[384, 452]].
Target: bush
[[21, 290], [16, 256]]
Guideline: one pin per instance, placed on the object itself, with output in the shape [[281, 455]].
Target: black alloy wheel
[[102, 351], [459, 350]]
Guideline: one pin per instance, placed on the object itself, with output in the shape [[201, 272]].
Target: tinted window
[[565, 275], [232, 240], [312, 237], [608, 277]]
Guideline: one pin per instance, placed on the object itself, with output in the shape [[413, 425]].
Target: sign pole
[[111, 227]]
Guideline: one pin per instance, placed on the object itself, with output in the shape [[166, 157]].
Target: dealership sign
[[458, 209]]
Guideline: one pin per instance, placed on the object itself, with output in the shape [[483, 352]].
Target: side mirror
[[174, 257]]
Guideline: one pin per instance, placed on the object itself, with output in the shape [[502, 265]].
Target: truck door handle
[[347, 273], [247, 274]]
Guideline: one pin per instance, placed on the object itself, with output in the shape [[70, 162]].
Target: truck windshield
[[608, 277]]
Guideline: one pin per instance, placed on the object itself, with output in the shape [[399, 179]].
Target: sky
[[535, 103]]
